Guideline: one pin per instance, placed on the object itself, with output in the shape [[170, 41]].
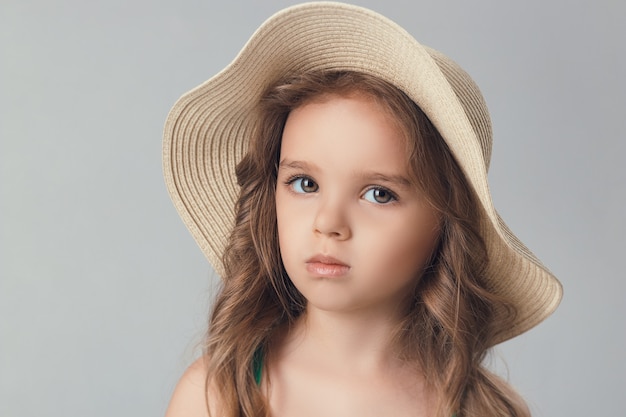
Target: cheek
[[280, 220], [287, 224], [408, 249], [282, 212]]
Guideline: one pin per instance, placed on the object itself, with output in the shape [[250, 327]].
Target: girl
[[335, 175]]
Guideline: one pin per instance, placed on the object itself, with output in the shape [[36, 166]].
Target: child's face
[[354, 232]]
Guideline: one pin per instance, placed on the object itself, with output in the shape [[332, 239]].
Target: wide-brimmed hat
[[207, 133]]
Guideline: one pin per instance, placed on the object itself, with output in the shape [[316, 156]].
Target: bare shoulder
[[189, 398]]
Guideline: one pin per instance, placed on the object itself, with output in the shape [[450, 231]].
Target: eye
[[303, 185], [379, 195]]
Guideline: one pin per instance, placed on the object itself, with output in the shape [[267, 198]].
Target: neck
[[354, 340]]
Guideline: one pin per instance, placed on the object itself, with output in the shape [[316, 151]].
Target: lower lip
[[327, 270]]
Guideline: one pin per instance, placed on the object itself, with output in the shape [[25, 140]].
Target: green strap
[[257, 365]]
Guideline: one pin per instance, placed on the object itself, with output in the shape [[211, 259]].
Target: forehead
[[380, 105], [358, 93], [342, 130]]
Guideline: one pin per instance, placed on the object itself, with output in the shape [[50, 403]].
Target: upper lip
[[325, 259]]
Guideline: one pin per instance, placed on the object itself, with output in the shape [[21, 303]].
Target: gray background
[[104, 295]]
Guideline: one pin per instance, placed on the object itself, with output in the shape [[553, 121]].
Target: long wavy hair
[[447, 328]]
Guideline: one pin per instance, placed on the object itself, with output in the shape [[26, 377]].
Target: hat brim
[[208, 129]]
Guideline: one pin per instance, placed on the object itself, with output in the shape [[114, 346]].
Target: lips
[[326, 266]]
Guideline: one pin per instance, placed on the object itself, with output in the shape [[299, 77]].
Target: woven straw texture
[[208, 129]]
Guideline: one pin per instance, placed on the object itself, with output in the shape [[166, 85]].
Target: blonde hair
[[447, 328]]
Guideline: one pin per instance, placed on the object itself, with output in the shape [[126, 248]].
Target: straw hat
[[207, 130]]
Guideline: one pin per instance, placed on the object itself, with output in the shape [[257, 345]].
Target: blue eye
[[379, 195], [304, 185]]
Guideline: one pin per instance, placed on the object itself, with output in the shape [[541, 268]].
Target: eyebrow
[[373, 176], [286, 163], [391, 179]]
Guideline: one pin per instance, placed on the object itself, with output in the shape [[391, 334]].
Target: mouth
[[326, 266]]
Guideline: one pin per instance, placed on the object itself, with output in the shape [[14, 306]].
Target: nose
[[332, 220]]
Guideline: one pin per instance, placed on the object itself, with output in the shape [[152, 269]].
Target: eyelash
[[291, 180], [393, 197]]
